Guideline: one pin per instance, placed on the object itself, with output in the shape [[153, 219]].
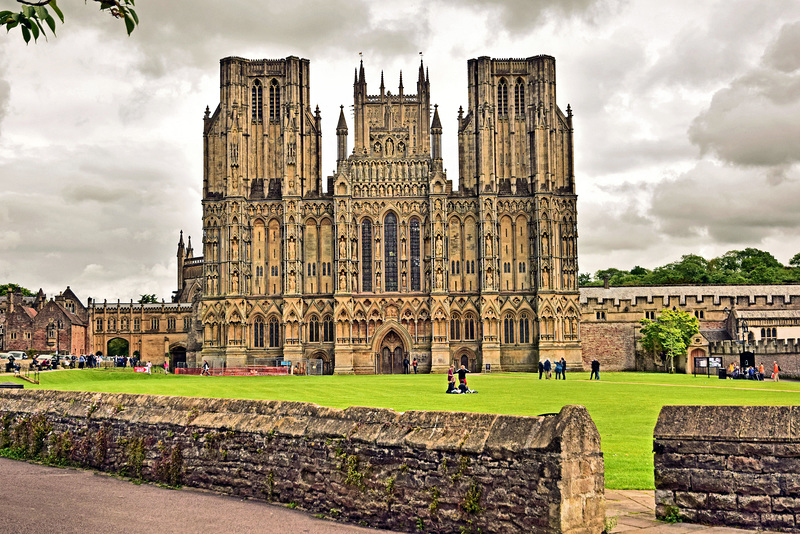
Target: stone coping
[[729, 423]]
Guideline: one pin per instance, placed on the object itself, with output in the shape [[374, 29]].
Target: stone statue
[[439, 248], [342, 281]]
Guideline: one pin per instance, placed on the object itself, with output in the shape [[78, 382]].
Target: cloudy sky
[[686, 118]]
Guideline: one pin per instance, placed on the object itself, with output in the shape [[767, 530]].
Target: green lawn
[[624, 406]]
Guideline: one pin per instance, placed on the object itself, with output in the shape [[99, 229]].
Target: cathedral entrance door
[[390, 357]]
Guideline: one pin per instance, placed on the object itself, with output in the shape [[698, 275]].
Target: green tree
[[669, 335], [35, 15], [15, 288], [118, 347], [148, 299], [795, 261]]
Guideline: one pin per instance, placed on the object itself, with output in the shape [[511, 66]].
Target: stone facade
[[729, 465], [389, 262], [431, 471], [765, 317]]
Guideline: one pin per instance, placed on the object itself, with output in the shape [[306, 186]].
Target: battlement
[[716, 295]]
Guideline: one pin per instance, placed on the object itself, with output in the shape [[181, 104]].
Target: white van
[[18, 354]]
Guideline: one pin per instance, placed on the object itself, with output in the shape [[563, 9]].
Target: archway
[[391, 354], [177, 356], [468, 359], [118, 347], [327, 361]]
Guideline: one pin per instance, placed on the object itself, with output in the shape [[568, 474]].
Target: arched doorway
[[391, 354], [468, 359], [177, 356], [118, 347], [327, 362]]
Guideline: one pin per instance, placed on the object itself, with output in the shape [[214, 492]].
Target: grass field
[[624, 406]]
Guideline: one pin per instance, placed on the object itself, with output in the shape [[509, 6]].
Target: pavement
[[635, 513]]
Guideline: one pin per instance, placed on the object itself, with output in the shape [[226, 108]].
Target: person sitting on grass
[[462, 380], [451, 382]]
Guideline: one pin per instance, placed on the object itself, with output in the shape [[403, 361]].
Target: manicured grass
[[624, 406]]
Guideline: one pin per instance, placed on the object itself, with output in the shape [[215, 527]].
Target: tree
[[669, 335], [35, 15], [148, 299], [795, 261], [14, 288]]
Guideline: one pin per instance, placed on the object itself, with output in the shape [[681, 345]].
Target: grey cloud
[[784, 53], [521, 15], [753, 120], [726, 204]]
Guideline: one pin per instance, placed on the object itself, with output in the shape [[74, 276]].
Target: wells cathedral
[[388, 262]]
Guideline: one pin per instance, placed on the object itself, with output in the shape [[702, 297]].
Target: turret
[[181, 258], [436, 135], [341, 137]]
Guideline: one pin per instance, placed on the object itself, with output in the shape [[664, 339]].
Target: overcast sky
[[687, 136]]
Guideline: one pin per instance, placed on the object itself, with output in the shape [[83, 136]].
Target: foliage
[[14, 288], [748, 266], [669, 335], [118, 347], [148, 299], [35, 15]]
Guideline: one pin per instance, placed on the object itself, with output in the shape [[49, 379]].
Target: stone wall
[[729, 465], [612, 343], [438, 471]]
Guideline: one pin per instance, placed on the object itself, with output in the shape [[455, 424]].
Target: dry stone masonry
[[729, 465], [435, 471]]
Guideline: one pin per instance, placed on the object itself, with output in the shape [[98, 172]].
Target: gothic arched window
[[256, 101], [274, 101], [258, 332], [524, 329], [390, 248], [274, 333], [366, 255], [455, 328], [313, 330], [508, 328], [519, 97], [327, 329], [502, 98], [469, 328], [415, 255]]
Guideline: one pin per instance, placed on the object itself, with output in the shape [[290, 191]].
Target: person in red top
[[776, 369]]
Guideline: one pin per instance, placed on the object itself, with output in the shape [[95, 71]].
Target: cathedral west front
[[388, 261]]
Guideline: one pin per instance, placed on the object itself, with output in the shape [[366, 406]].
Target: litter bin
[[723, 373]]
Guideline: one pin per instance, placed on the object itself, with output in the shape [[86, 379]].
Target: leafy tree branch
[[36, 15]]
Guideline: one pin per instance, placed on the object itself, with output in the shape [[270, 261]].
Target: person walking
[[558, 369], [595, 369], [405, 365], [541, 369], [205, 369], [414, 365], [547, 369], [563, 369], [776, 370]]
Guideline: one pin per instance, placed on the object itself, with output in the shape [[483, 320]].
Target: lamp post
[[2, 333]]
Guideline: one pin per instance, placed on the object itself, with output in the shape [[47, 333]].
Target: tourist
[[541, 369], [563, 369], [81, 362], [414, 365], [547, 369], [166, 367], [451, 381], [776, 369], [761, 371], [148, 366], [558, 369], [205, 369], [595, 370], [462, 379], [405, 365]]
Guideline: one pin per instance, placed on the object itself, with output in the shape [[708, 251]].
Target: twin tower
[[388, 262]]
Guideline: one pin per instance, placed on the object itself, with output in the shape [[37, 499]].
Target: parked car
[[18, 354]]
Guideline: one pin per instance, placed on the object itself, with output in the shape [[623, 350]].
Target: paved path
[[37, 499], [635, 511]]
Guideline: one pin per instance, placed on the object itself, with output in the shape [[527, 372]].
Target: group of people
[[750, 372], [462, 381], [413, 363], [546, 368]]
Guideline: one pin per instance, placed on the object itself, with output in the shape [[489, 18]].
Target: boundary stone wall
[[442, 471], [729, 465]]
